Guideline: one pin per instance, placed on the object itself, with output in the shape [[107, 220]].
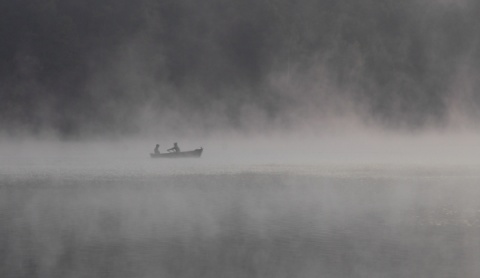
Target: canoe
[[194, 153]]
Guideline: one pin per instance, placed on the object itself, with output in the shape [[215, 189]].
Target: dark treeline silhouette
[[93, 66]]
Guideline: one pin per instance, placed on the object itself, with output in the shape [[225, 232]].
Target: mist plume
[[83, 68]]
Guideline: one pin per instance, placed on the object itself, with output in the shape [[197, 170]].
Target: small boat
[[194, 153]]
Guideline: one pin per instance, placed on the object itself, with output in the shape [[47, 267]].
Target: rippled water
[[149, 218]]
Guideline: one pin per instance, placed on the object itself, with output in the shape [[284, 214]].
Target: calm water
[[148, 218]]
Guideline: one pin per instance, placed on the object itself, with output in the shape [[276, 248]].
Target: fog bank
[[83, 69]]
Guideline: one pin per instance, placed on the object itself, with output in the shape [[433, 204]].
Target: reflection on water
[[166, 220]]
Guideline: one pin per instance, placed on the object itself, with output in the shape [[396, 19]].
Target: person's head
[[157, 145], [175, 143]]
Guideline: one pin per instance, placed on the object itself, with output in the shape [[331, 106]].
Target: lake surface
[[149, 218]]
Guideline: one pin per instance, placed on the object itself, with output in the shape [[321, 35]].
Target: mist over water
[[144, 218], [77, 69], [350, 209], [341, 138]]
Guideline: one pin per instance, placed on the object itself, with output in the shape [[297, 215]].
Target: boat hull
[[189, 154]]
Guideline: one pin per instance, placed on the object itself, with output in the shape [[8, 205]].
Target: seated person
[[156, 149], [175, 148]]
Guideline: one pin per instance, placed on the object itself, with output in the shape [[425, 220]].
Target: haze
[[341, 138], [89, 69]]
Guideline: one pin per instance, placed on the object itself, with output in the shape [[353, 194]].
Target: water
[[153, 218]]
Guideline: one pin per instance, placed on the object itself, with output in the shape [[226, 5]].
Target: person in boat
[[156, 149], [175, 148]]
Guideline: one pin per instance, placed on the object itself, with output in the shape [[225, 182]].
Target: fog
[[340, 138], [76, 69], [350, 146], [68, 217]]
